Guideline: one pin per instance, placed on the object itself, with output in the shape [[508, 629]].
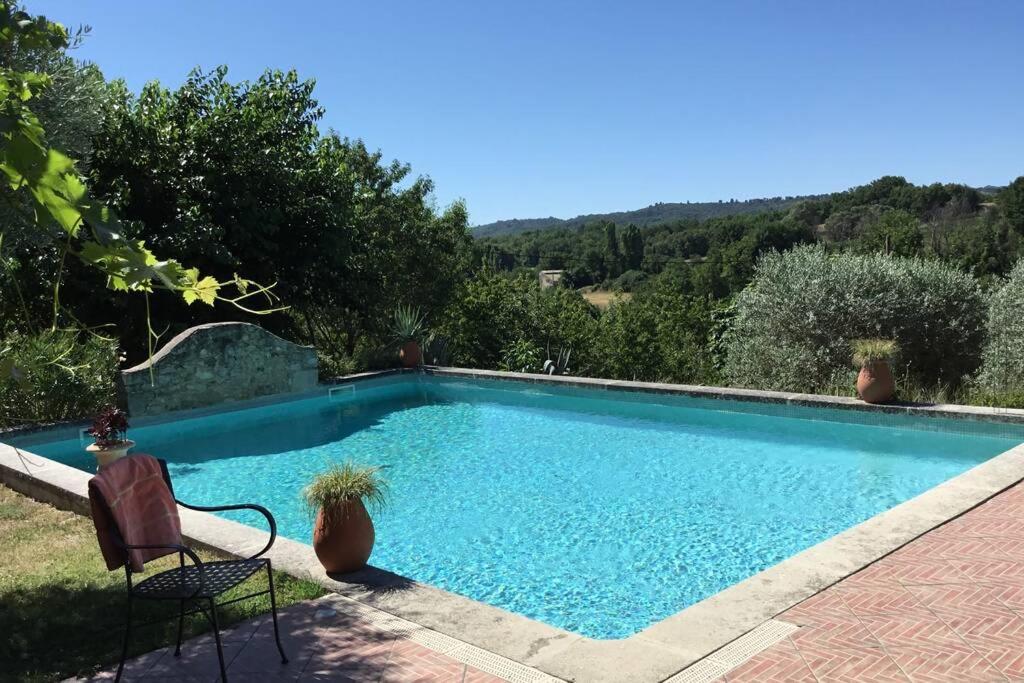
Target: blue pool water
[[598, 512]]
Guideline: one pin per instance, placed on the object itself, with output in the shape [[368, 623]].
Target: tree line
[[980, 233], [235, 183]]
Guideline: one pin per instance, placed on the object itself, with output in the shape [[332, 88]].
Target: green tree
[[237, 176], [895, 232], [493, 312], [660, 334], [1011, 204], [1002, 373], [794, 322], [62, 213], [612, 255], [633, 247]]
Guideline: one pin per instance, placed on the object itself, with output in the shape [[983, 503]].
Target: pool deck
[[699, 644], [948, 606], [325, 640]]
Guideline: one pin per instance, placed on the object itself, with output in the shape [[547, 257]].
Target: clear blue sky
[[528, 109]]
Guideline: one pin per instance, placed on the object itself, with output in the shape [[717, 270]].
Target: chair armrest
[[241, 506]]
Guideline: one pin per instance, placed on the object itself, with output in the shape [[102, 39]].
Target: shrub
[[522, 355], [491, 311], [629, 281], [795, 321], [660, 334], [54, 376], [1003, 367]]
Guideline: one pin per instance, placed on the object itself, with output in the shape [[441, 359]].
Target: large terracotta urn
[[410, 354], [343, 540], [875, 383]]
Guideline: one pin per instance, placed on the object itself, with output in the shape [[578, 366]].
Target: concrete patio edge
[[659, 651]]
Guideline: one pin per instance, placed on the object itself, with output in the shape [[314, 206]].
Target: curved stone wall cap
[[181, 337]]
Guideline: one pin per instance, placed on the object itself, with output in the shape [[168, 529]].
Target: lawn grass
[[62, 612]]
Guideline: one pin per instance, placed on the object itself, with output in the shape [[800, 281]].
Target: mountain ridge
[[654, 213]]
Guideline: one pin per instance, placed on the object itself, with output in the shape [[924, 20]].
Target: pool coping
[[655, 653]]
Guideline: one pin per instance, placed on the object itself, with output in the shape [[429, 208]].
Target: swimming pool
[[599, 512]]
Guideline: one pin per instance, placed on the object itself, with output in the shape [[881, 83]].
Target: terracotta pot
[[410, 354], [105, 456], [344, 543], [875, 383]]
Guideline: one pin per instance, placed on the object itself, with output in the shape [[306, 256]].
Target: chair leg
[[216, 638], [273, 613], [181, 627], [127, 640]]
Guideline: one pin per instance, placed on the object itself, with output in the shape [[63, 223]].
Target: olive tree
[[1003, 368], [795, 321]]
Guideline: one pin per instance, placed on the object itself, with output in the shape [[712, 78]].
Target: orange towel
[[130, 495]]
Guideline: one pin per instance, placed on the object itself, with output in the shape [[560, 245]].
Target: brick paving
[[948, 606], [322, 645]]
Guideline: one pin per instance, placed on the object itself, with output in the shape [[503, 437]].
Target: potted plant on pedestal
[[875, 383], [407, 328], [109, 431], [343, 532]]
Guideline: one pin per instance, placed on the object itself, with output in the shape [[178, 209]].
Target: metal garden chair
[[196, 586]]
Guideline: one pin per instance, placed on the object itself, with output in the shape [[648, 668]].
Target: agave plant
[[407, 324], [559, 365]]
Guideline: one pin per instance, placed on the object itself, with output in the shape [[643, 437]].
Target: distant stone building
[[550, 278]]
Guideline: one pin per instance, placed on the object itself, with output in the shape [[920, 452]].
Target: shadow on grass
[[51, 632]]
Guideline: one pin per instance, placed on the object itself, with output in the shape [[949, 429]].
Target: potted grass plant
[[343, 532], [407, 328], [109, 432], [875, 383]]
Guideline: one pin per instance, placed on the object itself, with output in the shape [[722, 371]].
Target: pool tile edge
[[951, 411]]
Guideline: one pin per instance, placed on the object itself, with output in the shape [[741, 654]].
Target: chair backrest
[[167, 475], [133, 504]]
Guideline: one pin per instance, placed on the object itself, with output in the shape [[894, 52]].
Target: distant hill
[[655, 213]]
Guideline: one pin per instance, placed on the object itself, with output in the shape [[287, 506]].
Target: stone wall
[[215, 363]]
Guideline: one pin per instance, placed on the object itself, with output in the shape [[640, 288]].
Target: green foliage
[[629, 281], [1011, 204], [632, 248], [492, 310], [1003, 368], [233, 176], [522, 355], [54, 376], [888, 215], [339, 484], [721, 252], [660, 334], [794, 323], [895, 232], [867, 351], [612, 256], [48, 181], [661, 212]]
